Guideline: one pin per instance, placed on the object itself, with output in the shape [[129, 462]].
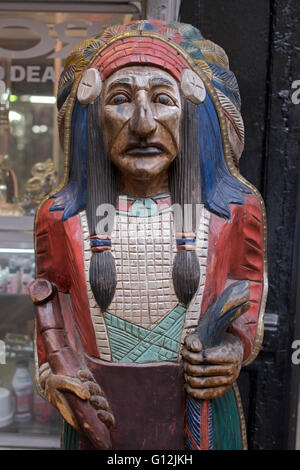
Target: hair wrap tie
[[100, 243], [186, 241]]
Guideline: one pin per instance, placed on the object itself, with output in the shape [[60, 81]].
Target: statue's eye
[[163, 99], [120, 99]]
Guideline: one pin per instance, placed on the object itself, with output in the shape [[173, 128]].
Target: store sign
[[45, 47], [31, 73]]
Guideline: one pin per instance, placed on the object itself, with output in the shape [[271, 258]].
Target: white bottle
[[22, 392], [2, 281], [13, 278]]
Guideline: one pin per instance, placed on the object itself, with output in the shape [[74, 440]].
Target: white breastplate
[[144, 249]]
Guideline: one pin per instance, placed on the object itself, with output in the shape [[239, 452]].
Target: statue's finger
[[207, 370], [68, 384], [62, 405], [45, 367], [207, 393], [192, 357], [193, 343], [44, 376], [85, 375], [93, 388], [99, 403], [106, 417], [219, 355], [208, 382]]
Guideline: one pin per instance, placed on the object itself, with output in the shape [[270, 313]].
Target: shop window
[[34, 41]]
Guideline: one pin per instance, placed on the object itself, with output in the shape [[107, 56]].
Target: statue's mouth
[[147, 150]]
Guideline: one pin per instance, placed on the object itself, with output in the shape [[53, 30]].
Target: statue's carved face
[[141, 110]]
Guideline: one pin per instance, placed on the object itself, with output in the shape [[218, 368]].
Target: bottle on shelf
[[4, 272], [22, 392], [13, 277], [6, 412], [26, 277], [43, 411]]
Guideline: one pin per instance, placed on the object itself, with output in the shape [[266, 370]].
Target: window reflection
[[33, 47]]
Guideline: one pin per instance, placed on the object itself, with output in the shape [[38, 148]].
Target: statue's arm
[[68, 383], [211, 371], [248, 263], [63, 374]]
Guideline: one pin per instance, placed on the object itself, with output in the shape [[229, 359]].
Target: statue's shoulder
[[253, 201], [249, 220], [45, 218], [50, 250], [253, 207]]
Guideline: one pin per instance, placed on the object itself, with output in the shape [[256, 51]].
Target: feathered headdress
[[173, 47]]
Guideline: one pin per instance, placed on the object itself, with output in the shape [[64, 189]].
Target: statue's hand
[[210, 373], [83, 385]]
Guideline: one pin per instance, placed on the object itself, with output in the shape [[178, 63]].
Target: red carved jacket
[[235, 253]]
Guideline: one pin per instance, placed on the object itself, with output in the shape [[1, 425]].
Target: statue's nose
[[142, 122]]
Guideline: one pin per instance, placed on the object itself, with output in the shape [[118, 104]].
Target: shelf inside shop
[[42, 428], [31, 435], [16, 312], [16, 234], [19, 222]]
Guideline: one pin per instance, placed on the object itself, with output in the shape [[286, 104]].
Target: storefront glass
[[33, 46]]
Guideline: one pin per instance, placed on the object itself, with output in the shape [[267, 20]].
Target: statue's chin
[[144, 167]]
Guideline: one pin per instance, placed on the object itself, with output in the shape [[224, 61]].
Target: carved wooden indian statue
[[151, 264]]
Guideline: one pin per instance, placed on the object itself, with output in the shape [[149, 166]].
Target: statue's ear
[[89, 87], [192, 86]]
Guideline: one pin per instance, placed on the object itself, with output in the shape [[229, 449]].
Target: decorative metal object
[[41, 183]]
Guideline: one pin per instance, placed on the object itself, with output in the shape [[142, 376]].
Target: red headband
[[137, 51]]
